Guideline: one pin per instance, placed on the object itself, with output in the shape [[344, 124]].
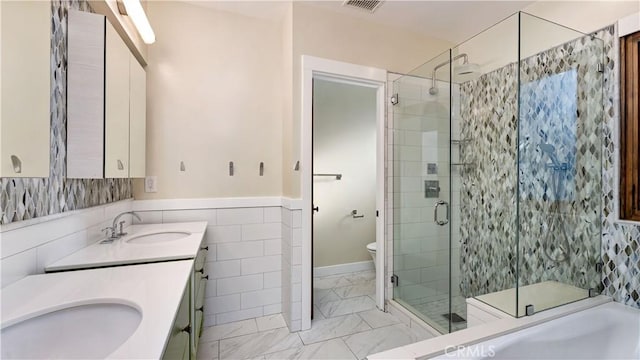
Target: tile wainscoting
[[28, 246], [255, 254]]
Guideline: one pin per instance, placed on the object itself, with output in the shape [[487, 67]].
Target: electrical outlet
[[151, 184]]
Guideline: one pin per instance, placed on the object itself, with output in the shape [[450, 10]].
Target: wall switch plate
[[151, 184]]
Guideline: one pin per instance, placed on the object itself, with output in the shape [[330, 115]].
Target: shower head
[[550, 150], [466, 68]]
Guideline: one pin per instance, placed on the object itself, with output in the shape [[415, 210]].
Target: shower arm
[[433, 73]]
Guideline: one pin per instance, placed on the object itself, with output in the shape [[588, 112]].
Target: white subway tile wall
[[28, 246], [291, 226], [245, 262]]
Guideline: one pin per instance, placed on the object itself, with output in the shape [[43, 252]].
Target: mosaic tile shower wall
[[559, 214], [23, 199], [620, 242], [488, 184], [560, 164]]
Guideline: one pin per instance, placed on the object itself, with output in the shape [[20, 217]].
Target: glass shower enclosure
[[496, 147]]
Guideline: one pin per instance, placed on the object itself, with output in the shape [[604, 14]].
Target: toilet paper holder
[[354, 214]]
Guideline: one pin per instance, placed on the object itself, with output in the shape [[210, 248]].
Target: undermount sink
[[77, 332], [158, 237]]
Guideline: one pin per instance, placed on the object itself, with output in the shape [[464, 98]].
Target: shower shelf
[[459, 141], [461, 164]]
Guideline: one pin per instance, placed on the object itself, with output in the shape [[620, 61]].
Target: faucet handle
[[109, 232], [122, 233]]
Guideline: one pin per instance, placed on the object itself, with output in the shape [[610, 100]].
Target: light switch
[[151, 184]]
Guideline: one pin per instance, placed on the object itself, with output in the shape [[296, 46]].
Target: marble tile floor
[[346, 325]]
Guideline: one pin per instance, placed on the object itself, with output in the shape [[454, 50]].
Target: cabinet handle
[[120, 165], [206, 277], [205, 248], [17, 164], [201, 271], [201, 308], [187, 329]]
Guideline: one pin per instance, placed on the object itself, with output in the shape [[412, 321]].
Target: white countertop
[[144, 286], [121, 252]]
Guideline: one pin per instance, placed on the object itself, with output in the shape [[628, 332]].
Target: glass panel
[[484, 235], [559, 164], [421, 179]]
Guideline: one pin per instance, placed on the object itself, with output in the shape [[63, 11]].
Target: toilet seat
[[371, 246]]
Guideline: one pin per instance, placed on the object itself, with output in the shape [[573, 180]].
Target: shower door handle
[[435, 213]]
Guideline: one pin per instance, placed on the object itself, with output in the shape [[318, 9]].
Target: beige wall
[[584, 16], [322, 33], [288, 161], [214, 85], [344, 141], [236, 96]]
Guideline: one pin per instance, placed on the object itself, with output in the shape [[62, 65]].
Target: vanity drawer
[[199, 323], [178, 343], [202, 287], [201, 258]]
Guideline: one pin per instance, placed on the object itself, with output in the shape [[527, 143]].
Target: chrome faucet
[[114, 231]]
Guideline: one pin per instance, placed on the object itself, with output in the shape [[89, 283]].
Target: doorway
[[336, 74], [344, 198]]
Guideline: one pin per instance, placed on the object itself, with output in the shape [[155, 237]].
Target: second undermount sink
[[78, 332], [158, 237]]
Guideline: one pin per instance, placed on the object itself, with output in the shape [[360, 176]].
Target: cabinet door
[[137, 119], [85, 95], [180, 337], [25, 75], [116, 106]]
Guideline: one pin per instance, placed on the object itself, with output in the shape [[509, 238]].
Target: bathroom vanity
[[121, 312], [156, 243]]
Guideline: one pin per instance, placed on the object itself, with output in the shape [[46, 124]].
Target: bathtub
[[609, 331]]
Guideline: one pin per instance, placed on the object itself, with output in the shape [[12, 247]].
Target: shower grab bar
[[337, 176], [435, 213]]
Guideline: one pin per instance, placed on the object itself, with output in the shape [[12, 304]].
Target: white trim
[[629, 24], [291, 204], [206, 203], [343, 268], [354, 74]]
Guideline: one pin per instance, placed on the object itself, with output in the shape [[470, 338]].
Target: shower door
[[423, 206]]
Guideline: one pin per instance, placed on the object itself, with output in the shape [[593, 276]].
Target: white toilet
[[371, 248]]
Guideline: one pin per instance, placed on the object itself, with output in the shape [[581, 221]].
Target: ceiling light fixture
[[133, 9]]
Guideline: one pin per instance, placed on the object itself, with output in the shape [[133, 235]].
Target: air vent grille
[[368, 5]]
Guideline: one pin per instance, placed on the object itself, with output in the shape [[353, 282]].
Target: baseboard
[[343, 268]]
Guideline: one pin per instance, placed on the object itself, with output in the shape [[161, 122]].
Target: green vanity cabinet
[[177, 347], [199, 285]]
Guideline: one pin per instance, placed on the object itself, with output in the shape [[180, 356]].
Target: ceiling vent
[[368, 5]]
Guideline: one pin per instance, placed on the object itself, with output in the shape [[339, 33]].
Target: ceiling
[[452, 20]]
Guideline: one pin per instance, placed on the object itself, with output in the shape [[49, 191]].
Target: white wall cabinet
[[85, 95], [137, 118], [116, 88], [106, 129], [25, 75]]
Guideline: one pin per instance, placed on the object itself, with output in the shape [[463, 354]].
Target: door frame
[[315, 67]]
